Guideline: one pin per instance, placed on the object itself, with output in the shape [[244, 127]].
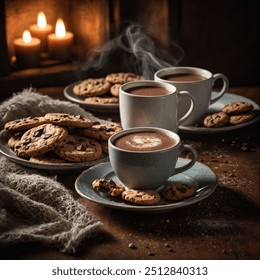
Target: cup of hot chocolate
[[145, 157], [199, 83], [153, 104]]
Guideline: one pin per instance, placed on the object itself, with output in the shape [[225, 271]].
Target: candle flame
[[41, 20], [27, 38], [60, 30]]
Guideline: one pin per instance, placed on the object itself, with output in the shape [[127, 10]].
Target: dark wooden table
[[226, 225]]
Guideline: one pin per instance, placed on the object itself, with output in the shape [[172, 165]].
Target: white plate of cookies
[[99, 184], [229, 113], [56, 141], [100, 95]]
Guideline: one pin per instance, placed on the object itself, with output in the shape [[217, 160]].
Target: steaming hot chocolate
[[145, 141], [184, 77], [149, 91]]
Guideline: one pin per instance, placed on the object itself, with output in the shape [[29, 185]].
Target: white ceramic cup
[[147, 169], [153, 111], [201, 90]]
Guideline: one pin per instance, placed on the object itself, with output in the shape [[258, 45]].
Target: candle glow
[[60, 30], [41, 29], [41, 20], [27, 50], [27, 38], [60, 42]]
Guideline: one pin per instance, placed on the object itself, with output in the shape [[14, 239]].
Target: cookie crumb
[[132, 246], [244, 147]]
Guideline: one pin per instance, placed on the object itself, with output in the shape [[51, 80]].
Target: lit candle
[[41, 30], [60, 42], [27, 50]]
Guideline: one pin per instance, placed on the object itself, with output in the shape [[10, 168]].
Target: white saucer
[[216, 107], [200, 176], [99, 108]]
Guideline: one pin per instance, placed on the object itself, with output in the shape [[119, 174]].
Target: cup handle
[[189, 164], [192, 106], [224, 88]]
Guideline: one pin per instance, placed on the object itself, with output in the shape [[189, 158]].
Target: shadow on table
[[224, 212]]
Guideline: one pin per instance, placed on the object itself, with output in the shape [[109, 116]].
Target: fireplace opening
[[221, 36]]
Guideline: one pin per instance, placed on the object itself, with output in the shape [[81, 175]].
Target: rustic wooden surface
[[226, 225]]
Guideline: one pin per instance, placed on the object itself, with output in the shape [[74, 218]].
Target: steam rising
[[133, 51]]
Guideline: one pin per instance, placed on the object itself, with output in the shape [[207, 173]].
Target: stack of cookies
[[103, 90], [232, 114], [59, 138]]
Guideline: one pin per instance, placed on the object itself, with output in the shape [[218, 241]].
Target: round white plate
[[216, 107], [200, 176], [99, 108]]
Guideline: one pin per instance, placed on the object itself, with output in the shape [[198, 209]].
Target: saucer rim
[[207, 188]]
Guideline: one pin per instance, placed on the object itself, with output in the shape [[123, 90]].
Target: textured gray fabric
[[33, 206], [30, 103]]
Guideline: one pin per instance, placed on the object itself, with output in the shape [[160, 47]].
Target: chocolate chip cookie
[[68, 120], [241, 118], [177, 192], [237, 108], [92, 87], [102, 100], [76, 148], [13, 140], [49, 157], [115, 89], [141, 197], [216, 120], [104, 146], [122, 78], [39, 140], [102, 131], [24, 123], [108, 186]]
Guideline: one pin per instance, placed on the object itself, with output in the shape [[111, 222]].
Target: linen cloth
[[35, 207]]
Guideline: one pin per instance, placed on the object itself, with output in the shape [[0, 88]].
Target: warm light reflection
[[41, 20], [27, 38], [60, 30]]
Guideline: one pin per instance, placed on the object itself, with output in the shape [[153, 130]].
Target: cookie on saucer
[[115, 89], [102, 100], [122, 78], [216, 120], [141, 197], [108, 186], [241, 118], [177, 192], [237, 108], [92, 87]]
